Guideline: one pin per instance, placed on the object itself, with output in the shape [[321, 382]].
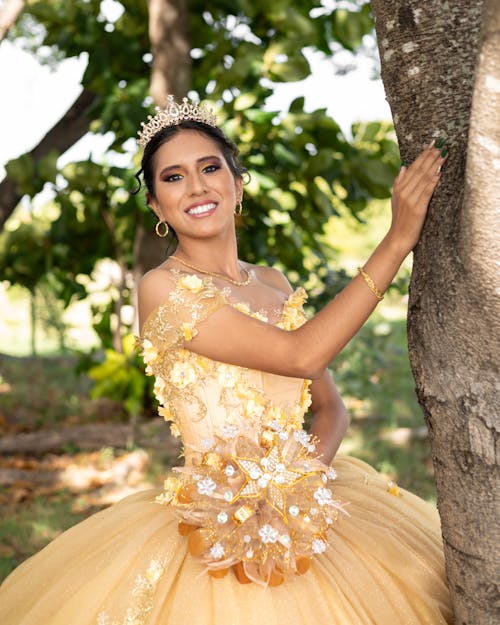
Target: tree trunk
[[33, 323], [170, 39], [11, 10], [170, 46], [71, 127], [431, 67]]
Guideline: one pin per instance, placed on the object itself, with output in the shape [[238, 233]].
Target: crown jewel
[[174, 114]]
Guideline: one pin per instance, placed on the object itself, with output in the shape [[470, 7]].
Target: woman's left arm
[[330, 418]]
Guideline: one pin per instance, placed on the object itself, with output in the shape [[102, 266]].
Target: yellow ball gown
[[253, 528]]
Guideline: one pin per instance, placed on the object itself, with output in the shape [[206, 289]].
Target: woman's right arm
[[233, 337]]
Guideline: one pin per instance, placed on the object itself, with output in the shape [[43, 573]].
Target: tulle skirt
[[128, 565]]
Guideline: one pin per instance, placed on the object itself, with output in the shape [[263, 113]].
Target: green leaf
[[292, 70], [297, 105], [286, 200], [377, 176], [245, 101], [349, 27], [22, 171], [129, 345], [282, 153], [47, 166]]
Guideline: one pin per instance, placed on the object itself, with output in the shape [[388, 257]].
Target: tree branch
[[68, 130]]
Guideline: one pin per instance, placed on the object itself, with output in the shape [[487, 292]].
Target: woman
[[257, 526]]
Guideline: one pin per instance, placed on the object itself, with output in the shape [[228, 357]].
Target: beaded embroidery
[[252, 495], [181, 374], [267, 505], [142, 593]]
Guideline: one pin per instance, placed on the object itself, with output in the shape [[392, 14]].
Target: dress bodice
[[203, 398], [252, 493]]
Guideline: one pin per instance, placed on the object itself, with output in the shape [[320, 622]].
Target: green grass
[[25, 529], [373, 375], [42, 391]]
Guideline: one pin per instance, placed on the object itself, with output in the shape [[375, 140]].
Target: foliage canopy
[[303, 170]]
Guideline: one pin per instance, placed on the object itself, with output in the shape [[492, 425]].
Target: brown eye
[[172, 178], [211, 168]]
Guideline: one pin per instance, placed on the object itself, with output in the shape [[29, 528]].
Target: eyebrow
[[200, 160]]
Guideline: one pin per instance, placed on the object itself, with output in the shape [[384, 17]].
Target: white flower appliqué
[[302, 437], [318, 546], [323, 496], [217, 551], [182, 375], [268, 534], [206, 486], [331, 474]]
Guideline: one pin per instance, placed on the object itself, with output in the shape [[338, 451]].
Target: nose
[[197, 184]]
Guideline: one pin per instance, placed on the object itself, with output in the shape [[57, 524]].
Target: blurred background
[[297, 86]]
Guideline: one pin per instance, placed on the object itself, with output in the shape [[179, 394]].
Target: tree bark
[[68, 130], [9, 13], [170, 46], [434, 57]]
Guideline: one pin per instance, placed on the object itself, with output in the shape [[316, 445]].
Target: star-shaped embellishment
[[271, 475]]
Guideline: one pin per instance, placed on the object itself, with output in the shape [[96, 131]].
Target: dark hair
[[227, 147]]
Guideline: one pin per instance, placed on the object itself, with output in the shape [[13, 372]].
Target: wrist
[[394, 248]]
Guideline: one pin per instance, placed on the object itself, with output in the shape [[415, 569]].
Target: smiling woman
[[196, 186], [259, 501]]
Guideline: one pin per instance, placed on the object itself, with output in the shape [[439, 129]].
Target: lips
[[201, 209]]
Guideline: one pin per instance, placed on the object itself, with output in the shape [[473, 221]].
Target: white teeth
[[197, 210]]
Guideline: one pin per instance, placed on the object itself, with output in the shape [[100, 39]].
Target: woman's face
[[195, 191]]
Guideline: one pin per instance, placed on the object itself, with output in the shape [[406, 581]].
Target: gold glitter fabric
[[252, 528]]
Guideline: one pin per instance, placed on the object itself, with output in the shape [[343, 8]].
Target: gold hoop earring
[[163, 234], [239, 208]]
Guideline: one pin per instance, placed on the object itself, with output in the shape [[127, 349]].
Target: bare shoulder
[[153, 290], [271, 277], [159, 278]]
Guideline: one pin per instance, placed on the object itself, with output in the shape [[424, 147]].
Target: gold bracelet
[[371, 284]]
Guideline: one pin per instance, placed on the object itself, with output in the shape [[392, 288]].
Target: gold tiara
[[172, 115]]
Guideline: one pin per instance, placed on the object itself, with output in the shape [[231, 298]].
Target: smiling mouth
[[202, 208]]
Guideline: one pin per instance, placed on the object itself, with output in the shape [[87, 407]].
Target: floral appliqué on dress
[[142, 593], [253, 496]]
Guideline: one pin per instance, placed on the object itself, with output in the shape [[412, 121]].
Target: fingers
[[424, 172], [400, 175], [413, 189], [430, 174], [432, 157]]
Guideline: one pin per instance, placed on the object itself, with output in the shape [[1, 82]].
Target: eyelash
[[172, 178], [212, 167], [209, 169]]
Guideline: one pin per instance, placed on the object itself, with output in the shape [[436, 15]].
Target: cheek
[[168, 194], [170, 200]]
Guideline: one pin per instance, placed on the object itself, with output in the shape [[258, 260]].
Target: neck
[[211, 256]]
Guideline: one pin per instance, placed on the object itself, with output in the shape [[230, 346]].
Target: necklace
[[244, 282]]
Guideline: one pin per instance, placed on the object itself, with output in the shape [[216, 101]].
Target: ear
[[155, 207]]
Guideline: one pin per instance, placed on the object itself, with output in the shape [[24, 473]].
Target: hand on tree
[[412, 192]]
